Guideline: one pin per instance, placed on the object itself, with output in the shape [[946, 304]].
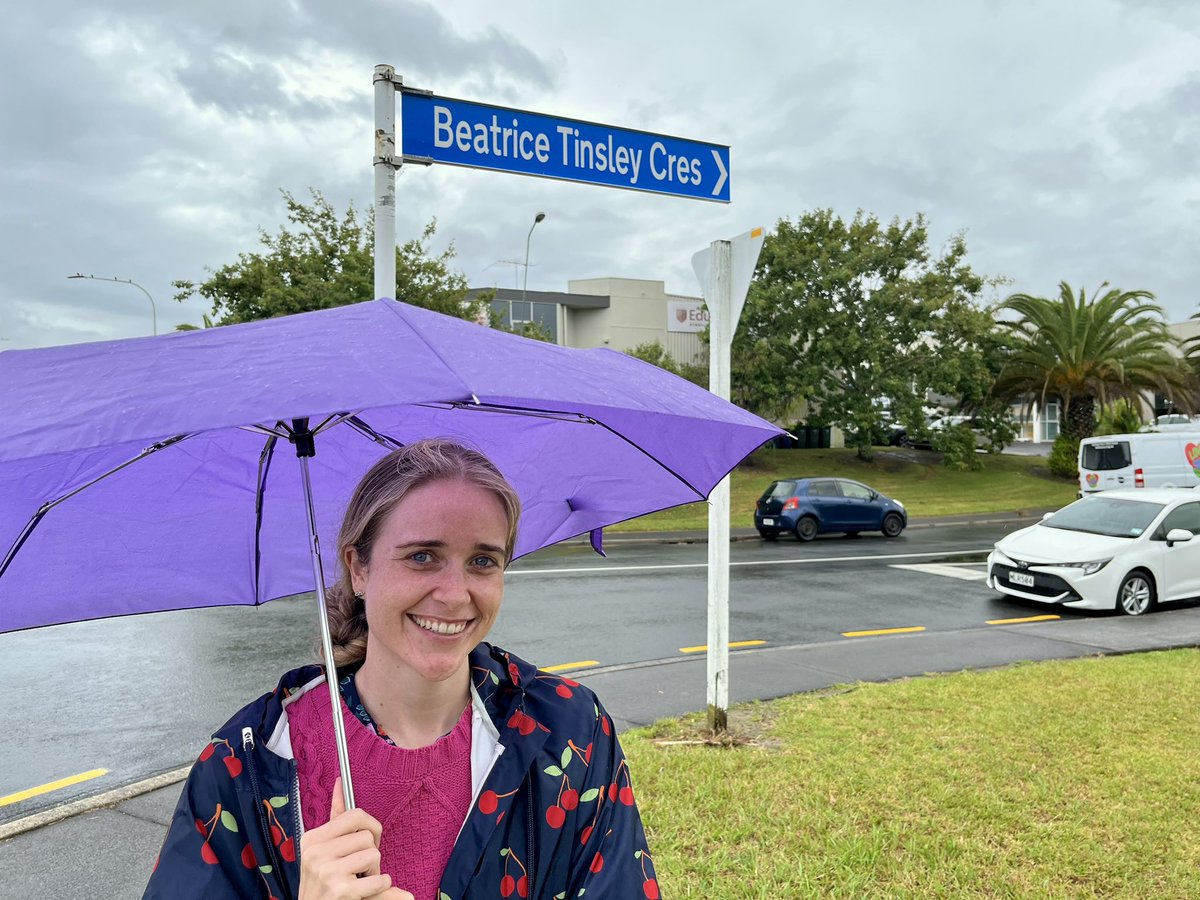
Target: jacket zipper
[[247, 748], [297, 819]]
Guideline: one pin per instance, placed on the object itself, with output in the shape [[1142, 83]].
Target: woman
[[475, 774]]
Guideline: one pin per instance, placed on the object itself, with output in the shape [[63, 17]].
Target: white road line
[[587, 570], [947, 570]]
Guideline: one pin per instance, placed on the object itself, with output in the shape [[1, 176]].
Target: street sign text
[[463, 133]]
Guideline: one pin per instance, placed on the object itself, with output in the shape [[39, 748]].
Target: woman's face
[[435, 579]]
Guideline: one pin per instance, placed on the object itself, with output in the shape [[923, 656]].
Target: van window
[[1106, 456]]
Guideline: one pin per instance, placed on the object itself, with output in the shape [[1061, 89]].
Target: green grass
[[916, 479], [1058, 779]]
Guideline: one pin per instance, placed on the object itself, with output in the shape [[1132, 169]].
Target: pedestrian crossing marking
[[961, 571]]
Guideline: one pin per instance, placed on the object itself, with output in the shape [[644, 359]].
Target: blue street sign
[[463, 133]]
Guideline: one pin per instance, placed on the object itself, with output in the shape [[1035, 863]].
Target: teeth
[[439, 627]]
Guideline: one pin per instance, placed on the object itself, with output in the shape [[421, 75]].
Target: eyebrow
[[440, 544]]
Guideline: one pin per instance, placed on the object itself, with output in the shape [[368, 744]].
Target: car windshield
[[1106, 515]]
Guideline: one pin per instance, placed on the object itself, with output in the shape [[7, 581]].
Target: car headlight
[[1089, 568], [898, 503]]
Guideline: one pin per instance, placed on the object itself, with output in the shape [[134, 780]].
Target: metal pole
[[385, 182], [153, 309], [339, 727], [525, 284], [720, 307]]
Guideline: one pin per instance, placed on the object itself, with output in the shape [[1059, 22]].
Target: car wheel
[[806, 528], [768, 534], [1135, 596], [892, 525]]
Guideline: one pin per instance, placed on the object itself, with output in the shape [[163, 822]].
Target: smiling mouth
[[436, 627]]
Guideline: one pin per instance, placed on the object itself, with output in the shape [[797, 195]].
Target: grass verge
[[915, 478], [1055, 779]]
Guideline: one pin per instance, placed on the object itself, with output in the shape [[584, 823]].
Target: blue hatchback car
[[807, 507]]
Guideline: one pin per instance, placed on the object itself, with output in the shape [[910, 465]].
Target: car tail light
[[792, 503], [1139, 478]]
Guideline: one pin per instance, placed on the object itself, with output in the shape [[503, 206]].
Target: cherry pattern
[[509, 883], [284, 843], [649, 881], [207, 827], [233, 765], [568, 799]]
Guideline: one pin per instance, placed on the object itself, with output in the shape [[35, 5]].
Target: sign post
[[385, 181], [724, 271]]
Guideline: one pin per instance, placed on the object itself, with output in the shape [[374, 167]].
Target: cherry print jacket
[[554, 818]]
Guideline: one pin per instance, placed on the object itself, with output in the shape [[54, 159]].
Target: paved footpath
[[103, 849]]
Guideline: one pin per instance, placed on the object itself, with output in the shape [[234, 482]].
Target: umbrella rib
[[393, 308], [581, 418], [264, 466], [557, 415], [371, 434], [50, 504]]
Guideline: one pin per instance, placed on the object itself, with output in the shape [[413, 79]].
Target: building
[[619, 313]]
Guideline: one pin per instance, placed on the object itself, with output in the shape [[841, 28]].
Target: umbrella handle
[[335, 700]]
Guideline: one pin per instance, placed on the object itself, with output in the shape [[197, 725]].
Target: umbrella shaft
[[335, 700]]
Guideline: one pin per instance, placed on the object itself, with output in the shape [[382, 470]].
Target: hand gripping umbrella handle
[[335, 700]]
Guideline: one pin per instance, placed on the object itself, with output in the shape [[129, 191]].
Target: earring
[[358, 595]]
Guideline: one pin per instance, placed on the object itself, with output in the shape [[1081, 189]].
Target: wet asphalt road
[[139, 696]]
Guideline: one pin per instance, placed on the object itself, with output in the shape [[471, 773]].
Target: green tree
[[1119, 417], [656, 354], [855, 317], [1086, 350], [327, 260]]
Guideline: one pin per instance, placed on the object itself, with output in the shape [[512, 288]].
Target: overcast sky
[[150, 140]]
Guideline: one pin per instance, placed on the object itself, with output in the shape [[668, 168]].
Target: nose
[[451, 586]]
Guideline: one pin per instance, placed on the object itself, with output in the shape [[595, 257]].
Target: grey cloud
[[250, 89]]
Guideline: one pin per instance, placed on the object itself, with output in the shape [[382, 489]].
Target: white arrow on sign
[[724, 173]]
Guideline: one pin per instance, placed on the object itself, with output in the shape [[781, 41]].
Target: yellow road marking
[[9, 799], [562, 667], [732, 645], [883, 631], [1026, 619]]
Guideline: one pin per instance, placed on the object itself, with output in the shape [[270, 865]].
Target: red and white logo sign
[[687, 316]]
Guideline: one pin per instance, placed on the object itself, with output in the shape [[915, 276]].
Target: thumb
[[337, 805]]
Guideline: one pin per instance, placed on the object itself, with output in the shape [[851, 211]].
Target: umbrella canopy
[[156, 473]]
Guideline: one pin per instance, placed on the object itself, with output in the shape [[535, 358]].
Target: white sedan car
[[1125, 550]]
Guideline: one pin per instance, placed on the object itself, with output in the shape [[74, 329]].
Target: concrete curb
[[90, 804]]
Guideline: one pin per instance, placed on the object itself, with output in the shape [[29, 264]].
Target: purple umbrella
[[209, 468]]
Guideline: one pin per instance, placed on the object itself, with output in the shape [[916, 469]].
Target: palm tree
[[1081, 350]]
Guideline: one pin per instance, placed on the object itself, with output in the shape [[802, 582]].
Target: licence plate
[[768, 521], [1024, 579]]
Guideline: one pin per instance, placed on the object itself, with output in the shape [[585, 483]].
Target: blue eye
[[485, 562], [421, 556]]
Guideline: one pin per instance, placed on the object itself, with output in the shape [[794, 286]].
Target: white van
[[1170, 459]]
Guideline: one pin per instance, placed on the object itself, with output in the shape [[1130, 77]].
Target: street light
[[525, 284], [153, 311]]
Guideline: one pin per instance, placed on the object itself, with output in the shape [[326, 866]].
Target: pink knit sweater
[[420, 797]]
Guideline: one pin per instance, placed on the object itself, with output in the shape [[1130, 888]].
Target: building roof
[[563, 298]]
